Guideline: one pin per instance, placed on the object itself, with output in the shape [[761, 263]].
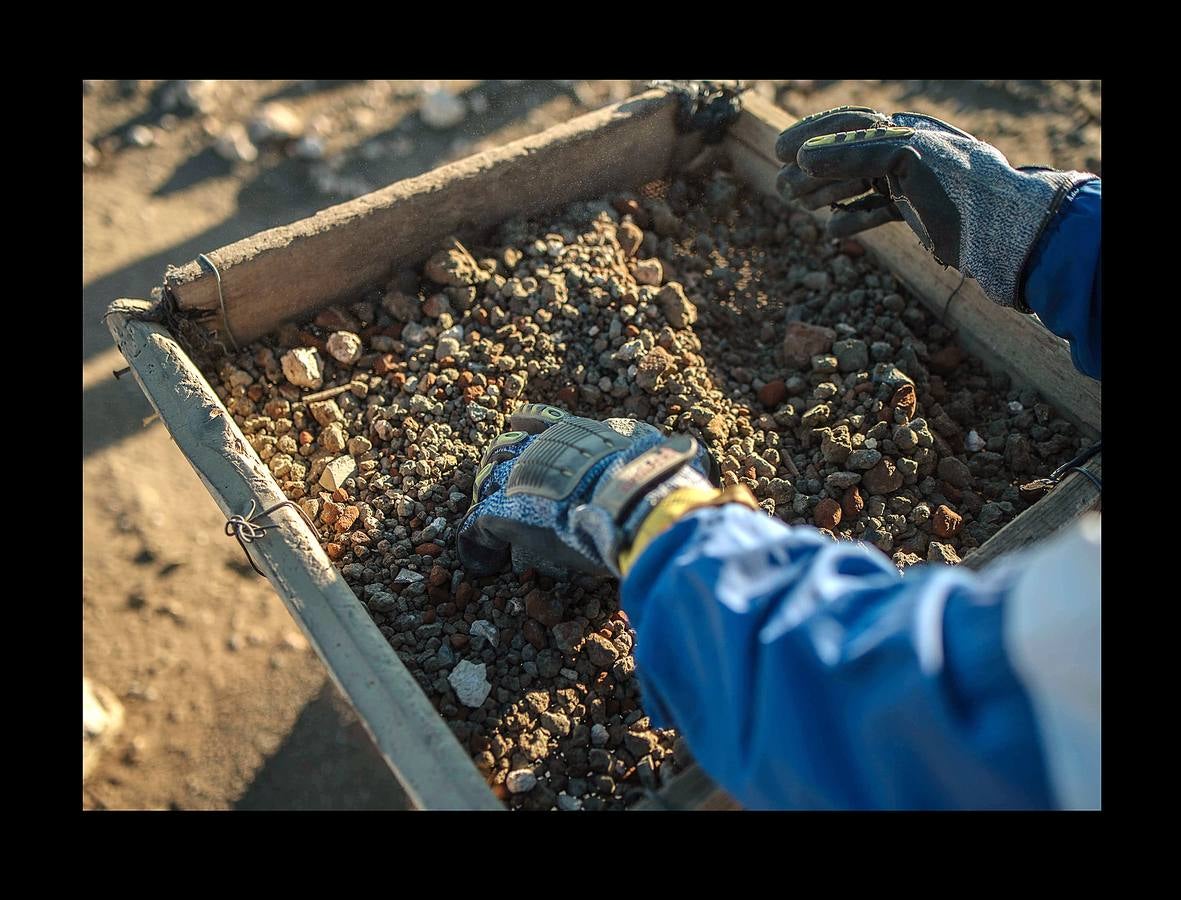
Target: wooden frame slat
[[410, 735], [341, 252]]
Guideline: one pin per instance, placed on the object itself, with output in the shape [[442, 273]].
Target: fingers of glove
[[843, 118], [832, 192], [535, 418], [919, 121], [865, 154], [481, 552], [507, 445], [861, 215]]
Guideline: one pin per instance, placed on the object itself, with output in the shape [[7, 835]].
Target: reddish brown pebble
[[459, 641], [946, 521], [336, 319], [947, 360], [851, 248], [852, 503], [568, 394], [864, 388], [543, 607], [428, 549], [534, 633], [884, 478], [472, 392], [307, 339], [904, 399], [385, 364], [773, 393], [439, 576], [620, 616], [330, 513], [827, 514], [428, 617], [630, 330], [937, 389], [348, 515], [334, 551], [306, 437], [465, 593], [397, 379]]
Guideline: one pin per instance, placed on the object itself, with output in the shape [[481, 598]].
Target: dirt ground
[[226, 707]]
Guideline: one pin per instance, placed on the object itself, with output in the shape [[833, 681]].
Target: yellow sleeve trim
[[673, 507]]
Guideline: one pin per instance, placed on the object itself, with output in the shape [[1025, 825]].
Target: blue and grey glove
[[961, 197], [560, 492]]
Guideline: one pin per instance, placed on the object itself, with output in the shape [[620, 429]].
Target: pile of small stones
[[808, 372]]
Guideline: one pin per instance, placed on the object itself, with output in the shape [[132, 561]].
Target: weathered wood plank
[[691, 789], [337, 254], [1074, 496], [1001, 337], [415, 742]]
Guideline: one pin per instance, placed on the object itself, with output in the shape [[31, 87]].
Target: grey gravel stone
[[520, 781], [470, 683]]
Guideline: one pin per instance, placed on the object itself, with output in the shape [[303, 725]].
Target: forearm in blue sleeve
[[1064, 285], [808, 674]]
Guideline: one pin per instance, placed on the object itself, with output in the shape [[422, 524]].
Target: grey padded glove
[[561, 493], [961, 197]]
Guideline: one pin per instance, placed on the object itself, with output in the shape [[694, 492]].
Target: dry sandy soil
[[226, 707]]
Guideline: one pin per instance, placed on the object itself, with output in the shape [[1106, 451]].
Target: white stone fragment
[[470, 683], [344, 346], [276, 122], [486, 630], [337, 472], [407, 576], [520, 781], [442, 109], [974, 442], [598, 735], [301, 366], [234, 144]]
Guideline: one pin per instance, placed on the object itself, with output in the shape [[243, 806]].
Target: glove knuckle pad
[[554, 464]]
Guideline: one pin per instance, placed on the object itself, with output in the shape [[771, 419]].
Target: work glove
[[961, 197], [560, 492]]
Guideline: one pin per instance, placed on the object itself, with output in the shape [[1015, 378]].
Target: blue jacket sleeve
[[807, 674], [1065, 281]]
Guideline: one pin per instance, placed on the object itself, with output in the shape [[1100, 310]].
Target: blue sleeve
[[808, 674], [1065, 281]]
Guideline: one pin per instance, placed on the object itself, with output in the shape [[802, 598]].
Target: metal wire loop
[[245, 531], [209, 266]]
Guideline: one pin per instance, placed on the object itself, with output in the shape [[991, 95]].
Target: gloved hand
[[564, 492], [961, 197]]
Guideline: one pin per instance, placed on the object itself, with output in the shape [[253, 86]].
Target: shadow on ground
[[327, 762]]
